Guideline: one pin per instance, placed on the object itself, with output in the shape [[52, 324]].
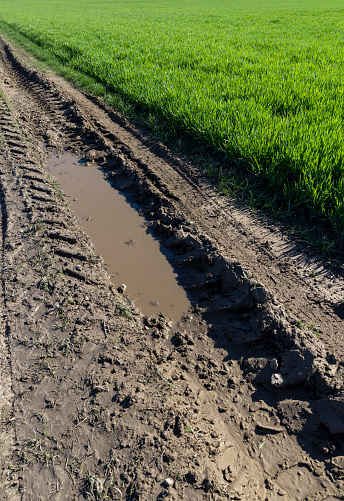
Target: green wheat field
[[263, 82]]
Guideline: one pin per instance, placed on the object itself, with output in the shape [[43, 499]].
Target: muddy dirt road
[[240, 399]]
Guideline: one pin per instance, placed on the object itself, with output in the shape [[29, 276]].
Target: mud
[[240, 399], [121, 236]]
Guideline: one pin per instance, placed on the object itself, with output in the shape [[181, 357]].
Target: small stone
[[274, 364], [122, 288], [168, 482], [277, 380]]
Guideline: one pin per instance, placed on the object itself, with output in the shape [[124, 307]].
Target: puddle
[[119, 234]]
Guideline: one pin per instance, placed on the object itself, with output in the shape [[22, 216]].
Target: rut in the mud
[[121, 236], [235, 401]]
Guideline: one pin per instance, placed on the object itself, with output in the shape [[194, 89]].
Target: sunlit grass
[[258, 81]]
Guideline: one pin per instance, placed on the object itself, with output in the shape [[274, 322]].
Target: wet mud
[[239, 399]]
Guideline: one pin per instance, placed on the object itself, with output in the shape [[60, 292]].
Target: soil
[[240, 399]]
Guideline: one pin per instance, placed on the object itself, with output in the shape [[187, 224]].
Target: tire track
[[9, 475]]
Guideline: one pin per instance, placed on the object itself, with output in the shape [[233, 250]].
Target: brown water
[[119, 234]]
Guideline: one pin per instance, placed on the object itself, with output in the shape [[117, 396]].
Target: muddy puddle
[[120, 235]]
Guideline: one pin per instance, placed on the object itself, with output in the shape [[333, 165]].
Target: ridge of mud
[[235, 392]]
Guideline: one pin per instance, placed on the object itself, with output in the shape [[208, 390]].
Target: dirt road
[[241, 399]]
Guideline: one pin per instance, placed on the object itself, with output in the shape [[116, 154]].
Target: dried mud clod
[[238, 400]]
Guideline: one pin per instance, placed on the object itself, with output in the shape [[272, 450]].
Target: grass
[[57, 188], [261, 83], [123, 311]]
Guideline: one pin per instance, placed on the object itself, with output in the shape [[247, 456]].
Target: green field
[[260, 81]]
